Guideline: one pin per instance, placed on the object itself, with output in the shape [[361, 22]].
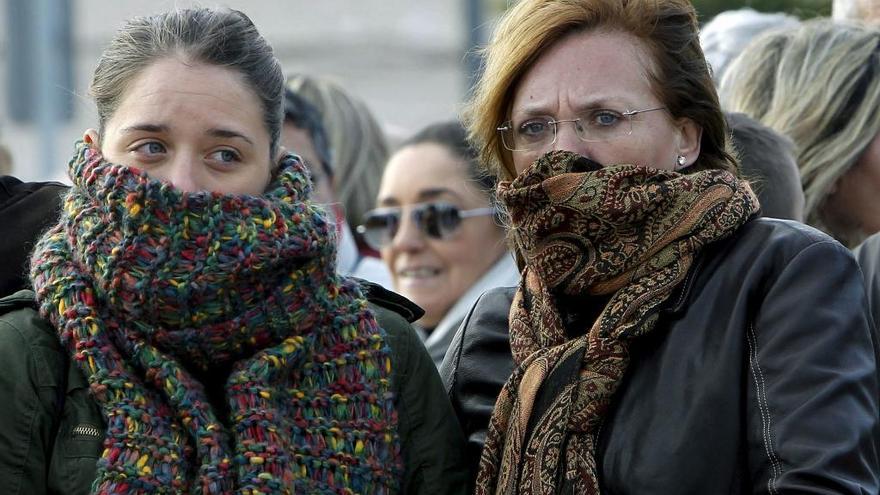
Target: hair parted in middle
[[678, 70]]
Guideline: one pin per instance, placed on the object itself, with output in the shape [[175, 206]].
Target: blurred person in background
[[819, 84], [725, 36], [664, 338], [358, 146], [436, 227], [766, 159], [192, 335], [867, 11], [303, 133]]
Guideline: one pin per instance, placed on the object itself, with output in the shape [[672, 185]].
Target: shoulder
[[482, 342], [779, 233], [772, 244], [394, 314], [20, 323], [388, 302], [13, 190]]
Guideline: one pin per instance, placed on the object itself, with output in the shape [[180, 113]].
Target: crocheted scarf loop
[[148, 285], [624, 232]]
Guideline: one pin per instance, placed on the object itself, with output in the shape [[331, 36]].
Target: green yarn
[[147, 285]]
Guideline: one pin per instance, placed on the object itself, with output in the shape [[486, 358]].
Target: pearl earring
[[681, 160]]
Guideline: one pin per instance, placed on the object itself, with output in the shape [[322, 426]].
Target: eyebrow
[[226, 133], [162, 128], [144, 128], [424, 195], [534, 110]]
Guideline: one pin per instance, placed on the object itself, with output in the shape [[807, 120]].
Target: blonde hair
[[680, 75], [358, 147], [819, 84]]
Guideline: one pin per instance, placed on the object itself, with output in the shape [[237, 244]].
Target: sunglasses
[[435, 220]]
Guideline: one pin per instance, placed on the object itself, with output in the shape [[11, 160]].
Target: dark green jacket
[[52, 431]]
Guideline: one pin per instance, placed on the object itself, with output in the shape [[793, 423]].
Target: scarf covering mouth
[[145, 283], [625, 232]]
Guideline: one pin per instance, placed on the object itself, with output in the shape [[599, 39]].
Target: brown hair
[[220, 37], [679, 73]]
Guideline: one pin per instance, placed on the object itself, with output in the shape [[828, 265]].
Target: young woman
[[196, 337], [663, 339]]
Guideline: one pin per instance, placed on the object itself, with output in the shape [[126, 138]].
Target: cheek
[[475, 250], [521, 161]]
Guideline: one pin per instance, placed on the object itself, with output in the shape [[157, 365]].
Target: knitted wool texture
[[144, 282]]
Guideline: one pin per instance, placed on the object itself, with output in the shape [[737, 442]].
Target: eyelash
[[137, 149], [236, 156]]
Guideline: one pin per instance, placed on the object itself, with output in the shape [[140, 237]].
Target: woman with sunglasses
[[195, 337], [437, 231], [664, 338]]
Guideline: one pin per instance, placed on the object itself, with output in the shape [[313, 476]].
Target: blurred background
[[412, 61]]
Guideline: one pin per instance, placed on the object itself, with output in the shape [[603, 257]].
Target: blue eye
[[534, 127], [605, 118], [226, 156], [151, 148]]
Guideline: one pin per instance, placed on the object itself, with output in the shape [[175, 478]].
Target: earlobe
[[92, 139], [690, 137]]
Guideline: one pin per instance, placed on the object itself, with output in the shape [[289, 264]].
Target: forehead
[[421, 167], [587, 68], [173, 91]]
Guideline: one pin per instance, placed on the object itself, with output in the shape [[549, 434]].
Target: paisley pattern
[[626, 232]]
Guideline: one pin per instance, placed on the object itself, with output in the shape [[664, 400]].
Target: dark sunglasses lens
[[437, 220], [379, 228]]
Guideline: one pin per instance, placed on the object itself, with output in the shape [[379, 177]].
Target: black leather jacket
[[761, 376]]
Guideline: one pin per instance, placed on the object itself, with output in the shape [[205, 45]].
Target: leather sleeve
[[476, 367], [30, 386], [812, 380]]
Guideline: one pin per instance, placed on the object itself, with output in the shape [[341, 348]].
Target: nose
[[183, 172], [408, 236], [568, 140]]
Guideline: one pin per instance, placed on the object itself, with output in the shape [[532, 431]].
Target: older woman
[[819, 84], [436, 228], [196, 337], [663, 339]]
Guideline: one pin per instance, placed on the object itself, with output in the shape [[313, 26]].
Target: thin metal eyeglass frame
[[508, 126]]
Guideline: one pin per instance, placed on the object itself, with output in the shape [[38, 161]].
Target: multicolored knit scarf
[[624, 231], [148, 285]]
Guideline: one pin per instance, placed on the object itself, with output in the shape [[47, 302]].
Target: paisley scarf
[[623, 232], [150, 287]]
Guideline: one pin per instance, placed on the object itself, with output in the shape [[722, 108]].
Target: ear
[[275, 165], [92, 138], [690, 135]]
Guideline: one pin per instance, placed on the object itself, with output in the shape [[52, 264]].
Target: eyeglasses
[[597, 125], [435, 220]]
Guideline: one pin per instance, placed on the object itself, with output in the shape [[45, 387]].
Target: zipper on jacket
[[85, 430]]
